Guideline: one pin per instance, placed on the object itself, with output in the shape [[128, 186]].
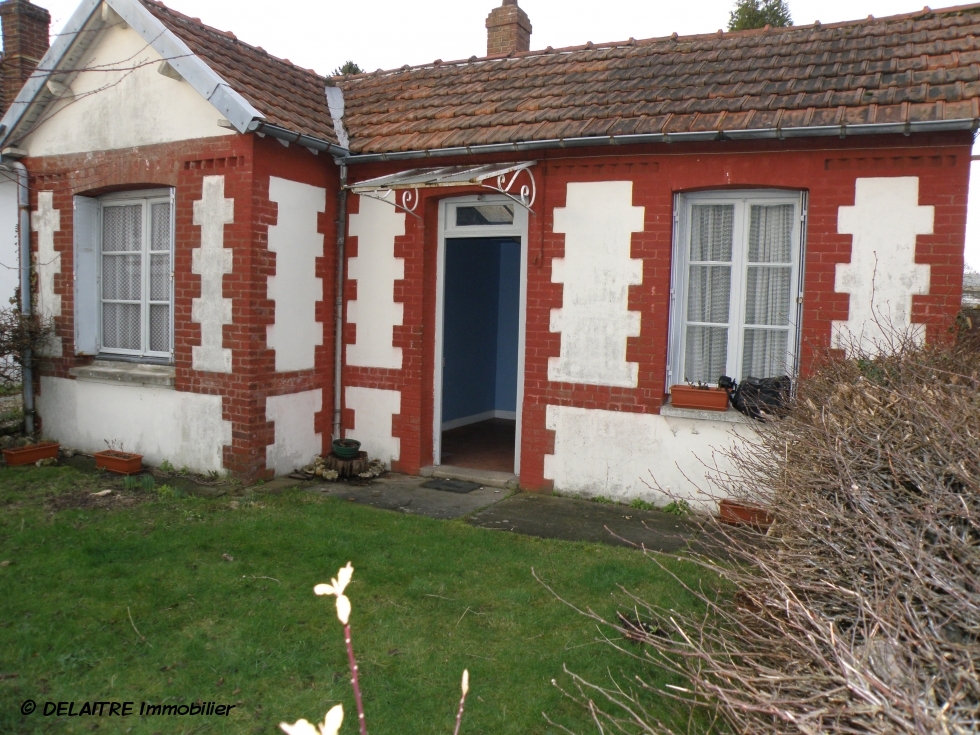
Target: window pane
[[160, 277], [485, 214], [705, 354], [764, 353], [708, 293], [160, 226], [121, 326], [767, 297], [122, 228], [122, 277], [771, 233], [711, 232], [160, 327]]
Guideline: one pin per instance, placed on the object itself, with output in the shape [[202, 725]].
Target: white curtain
[[768, 295], [122, 272], [160, 239], [708, 292]]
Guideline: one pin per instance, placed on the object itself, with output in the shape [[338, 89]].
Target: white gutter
[[841, 131]]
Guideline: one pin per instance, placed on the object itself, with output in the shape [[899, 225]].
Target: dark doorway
[[480, 340]]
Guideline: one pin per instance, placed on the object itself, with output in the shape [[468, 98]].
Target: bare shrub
[[859, 610], [20, 335]]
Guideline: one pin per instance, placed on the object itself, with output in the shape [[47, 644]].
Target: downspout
[[24, 237], [338, 355]]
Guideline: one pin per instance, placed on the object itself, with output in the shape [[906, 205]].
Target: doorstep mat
[[452, 486]]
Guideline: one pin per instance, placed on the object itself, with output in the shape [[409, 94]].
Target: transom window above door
[[736, 283]]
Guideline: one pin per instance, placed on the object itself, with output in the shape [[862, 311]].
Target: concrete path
[[404, 493], [546, 516]]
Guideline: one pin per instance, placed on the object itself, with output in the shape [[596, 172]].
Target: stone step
[[488, 478]]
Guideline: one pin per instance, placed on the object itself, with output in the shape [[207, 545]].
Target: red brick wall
[[825, 168], [246, 162], [295, 164]]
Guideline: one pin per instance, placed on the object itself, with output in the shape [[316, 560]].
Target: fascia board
[[191, 67], [70, 36]]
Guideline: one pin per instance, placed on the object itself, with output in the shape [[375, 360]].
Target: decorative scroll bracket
[[525, 196], [409, 199]]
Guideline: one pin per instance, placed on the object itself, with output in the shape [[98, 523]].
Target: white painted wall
[[375, 269], [119, 100], [212, 261], [295, 288], [373, 410], [614, 453], [297, 443], [882, 275], [598, 220], [186, 429], [9, 244], [46, 221]]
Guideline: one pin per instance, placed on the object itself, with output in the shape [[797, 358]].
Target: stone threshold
[[488, 478]]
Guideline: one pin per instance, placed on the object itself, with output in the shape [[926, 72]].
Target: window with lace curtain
[[736, 285], [135, 266]]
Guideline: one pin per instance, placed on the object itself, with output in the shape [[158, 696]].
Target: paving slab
[[404, 493], [550, 516]]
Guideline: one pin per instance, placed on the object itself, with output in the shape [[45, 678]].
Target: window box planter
[[739, 514], [122, 463], [346, 448], [31, 453], [702, 399]]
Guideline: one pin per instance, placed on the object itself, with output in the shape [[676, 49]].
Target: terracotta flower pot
[[31, 453], [710, 399], [122, 463], [738, 514]]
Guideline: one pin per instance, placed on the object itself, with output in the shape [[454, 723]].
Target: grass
[[430, 598]]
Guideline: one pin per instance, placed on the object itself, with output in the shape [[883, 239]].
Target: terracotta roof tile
[[923, 66], [289, 96]]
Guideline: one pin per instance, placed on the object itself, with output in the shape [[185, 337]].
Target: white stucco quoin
[[375, 269], [882, 276], [297, 441], [373, 409], [212, 261], [46, 221], [186, 429], [624, 456], [598, 220], [294, 239]]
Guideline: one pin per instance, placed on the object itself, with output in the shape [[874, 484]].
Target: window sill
[[126, 373], [729, 416]]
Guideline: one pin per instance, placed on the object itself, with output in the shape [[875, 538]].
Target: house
[[522, 251]]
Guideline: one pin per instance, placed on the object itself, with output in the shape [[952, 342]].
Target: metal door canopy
[[503, 176]]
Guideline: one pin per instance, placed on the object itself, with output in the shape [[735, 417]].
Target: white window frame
[[145, 198], [743, 199]]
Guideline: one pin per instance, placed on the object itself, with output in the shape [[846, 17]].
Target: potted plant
[[346, 448], [741, 514], [122, 463], [701, 397], [31, 453]]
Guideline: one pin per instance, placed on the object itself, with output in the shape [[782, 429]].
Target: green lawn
[[430, 598]]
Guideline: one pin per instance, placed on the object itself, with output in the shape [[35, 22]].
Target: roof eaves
[[843, 131]]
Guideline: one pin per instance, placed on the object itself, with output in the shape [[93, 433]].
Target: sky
[[385, 34]]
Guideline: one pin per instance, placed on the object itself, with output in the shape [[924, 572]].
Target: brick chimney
[[508, 29], [25, 39]]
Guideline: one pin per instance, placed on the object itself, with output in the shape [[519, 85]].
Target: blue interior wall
[[480, 321], [508, 320]]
